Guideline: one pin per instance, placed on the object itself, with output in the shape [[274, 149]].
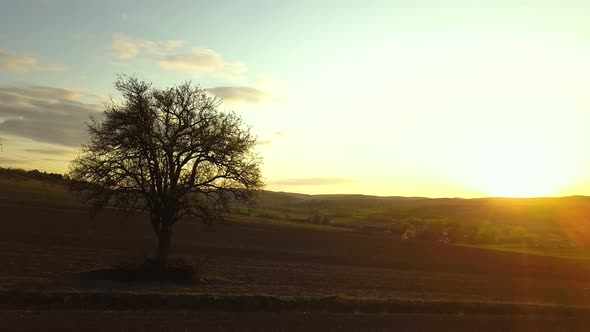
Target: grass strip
[[266, 303]]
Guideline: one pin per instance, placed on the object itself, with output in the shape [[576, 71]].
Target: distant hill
[[553, 222], [544, 221], [17, 173]]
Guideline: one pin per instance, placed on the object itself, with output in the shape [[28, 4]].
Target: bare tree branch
[[170, 152]]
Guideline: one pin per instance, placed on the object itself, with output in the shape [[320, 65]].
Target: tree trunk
[[164, 241]]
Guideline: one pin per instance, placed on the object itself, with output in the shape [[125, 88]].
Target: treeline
[[532, 222], [17, 173], [478, 231]]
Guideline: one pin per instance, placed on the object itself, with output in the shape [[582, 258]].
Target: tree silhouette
[[170, 152]]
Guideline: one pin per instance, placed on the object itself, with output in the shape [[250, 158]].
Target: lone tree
[[170, 152]]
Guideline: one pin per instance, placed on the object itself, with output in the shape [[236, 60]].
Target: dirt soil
[[41, 247], [256, 321]]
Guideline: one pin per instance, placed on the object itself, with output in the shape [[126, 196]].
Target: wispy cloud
[[38, 92], [53, 152], [202, 61], [46, 114], [53, 160], [311, 181], [264, 142], [242, 94], [124, 47], [24, 63], [10, 161], [174, 55]]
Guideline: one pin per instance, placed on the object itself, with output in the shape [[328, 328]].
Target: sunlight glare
[[515, 163]]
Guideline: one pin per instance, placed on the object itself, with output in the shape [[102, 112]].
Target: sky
[[405, 98]]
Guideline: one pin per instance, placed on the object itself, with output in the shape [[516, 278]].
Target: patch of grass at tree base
[[13, 299], [175, 270]]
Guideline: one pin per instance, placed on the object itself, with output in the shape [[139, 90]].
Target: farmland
[[47, 239]]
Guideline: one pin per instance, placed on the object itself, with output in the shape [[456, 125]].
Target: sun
[[513, 175], [515, 163]]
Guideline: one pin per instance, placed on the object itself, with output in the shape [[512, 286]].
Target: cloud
[[270, 141], [264, 142], [39, 92], [22, 63], [46, 114], [173, 55], [202, 61], [53, 160], [125, 47], [311, 182], [242, 94], [9, 161], [50, 151]]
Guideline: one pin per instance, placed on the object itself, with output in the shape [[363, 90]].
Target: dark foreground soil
[[256, 321], [43, 248]]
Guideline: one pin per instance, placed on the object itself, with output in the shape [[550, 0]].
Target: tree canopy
[[171, 152]]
